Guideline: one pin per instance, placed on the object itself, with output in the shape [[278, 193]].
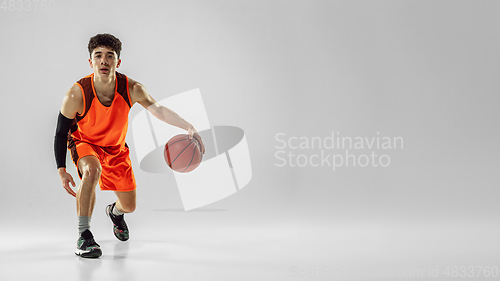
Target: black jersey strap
[[61, 139]]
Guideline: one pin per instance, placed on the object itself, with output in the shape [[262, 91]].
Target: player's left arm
[[139, 94]]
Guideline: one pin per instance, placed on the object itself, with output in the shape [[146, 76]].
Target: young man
[[93, 123]]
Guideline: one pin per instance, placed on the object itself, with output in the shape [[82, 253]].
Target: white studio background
[[424, 71]]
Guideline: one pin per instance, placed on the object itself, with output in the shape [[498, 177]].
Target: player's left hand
[[193, 133]]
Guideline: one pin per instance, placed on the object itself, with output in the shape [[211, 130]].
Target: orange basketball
[[183, 154]]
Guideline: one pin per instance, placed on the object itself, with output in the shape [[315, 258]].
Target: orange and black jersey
[[99, 124]]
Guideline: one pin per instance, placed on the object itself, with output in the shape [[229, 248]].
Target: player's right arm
[[72, 105]]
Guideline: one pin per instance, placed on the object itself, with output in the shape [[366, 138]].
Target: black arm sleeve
[[61, 139]]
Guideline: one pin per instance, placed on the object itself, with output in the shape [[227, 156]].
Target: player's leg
[[117, 175], [125, 203], [89, 168]]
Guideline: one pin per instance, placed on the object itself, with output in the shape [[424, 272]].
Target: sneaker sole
[[88, 254], [108, 209]]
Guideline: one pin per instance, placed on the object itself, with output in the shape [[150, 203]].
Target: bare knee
[[128, 207], [90, 169], [91, 173], [126, 201]]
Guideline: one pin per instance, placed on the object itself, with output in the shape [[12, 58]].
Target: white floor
[[164, 245], [215, 244]]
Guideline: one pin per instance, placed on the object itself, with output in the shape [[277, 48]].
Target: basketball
[[183, 154]]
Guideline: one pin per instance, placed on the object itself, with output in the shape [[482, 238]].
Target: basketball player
[[92, 124]]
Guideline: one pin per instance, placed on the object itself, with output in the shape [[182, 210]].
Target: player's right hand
[[66, 179]]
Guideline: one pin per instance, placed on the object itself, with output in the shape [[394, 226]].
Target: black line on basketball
[[181, 152], [172, 144], [175, 142], [192, 156]]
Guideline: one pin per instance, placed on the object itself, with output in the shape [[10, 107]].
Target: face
[[104, 61]]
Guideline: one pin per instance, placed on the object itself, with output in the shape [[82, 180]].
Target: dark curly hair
[[105, 40]]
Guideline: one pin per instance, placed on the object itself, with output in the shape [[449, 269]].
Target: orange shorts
[[116, 167]]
